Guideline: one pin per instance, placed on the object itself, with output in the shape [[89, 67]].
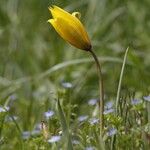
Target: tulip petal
[[69, 33], [70, 28], [60, 13]]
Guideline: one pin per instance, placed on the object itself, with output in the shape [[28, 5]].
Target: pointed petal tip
[[51, 7], [51, 21]]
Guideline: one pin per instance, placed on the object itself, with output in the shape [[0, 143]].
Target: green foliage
[[35, 63]]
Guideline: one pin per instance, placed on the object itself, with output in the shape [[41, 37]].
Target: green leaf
[[64, 125]]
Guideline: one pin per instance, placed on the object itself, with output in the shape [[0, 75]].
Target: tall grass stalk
[[118, 92], [120, 80]]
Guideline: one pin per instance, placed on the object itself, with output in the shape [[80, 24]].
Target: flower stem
[[101, 91]]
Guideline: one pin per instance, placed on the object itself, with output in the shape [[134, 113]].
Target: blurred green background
[[29, 47]]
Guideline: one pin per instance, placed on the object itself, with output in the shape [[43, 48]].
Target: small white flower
[[109, 104], [49, 114], [90, 148], [54, 139], [92, 102], [26, 134], [93, 121], [147, 98], [108, 111], [67, 85], [82, 118], [136, 102], [4, 109], [112, 131], [75, 142]]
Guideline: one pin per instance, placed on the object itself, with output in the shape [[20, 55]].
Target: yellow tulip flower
[[69, 28]]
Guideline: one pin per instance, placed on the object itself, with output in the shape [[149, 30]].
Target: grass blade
[[118, 92], [120, 79], [64, 125]]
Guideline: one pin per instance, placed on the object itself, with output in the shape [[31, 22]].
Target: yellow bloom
[[69, 28]]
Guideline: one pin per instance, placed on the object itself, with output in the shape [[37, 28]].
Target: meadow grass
[[49, 90]]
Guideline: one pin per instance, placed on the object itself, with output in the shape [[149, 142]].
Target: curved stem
[[101, 91]]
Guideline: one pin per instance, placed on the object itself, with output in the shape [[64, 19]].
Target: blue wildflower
[[108, 111], [109, 104], [75, 142], [35, 132], [147, 98], [37, 126], [135, 102], [82, 118], [67, 85], [112, 131], [93, 121], [54, 139], [92, 102], [49, 114], [13, 97], [90, 148], [10, 118], [26, 135], [4, 109]]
